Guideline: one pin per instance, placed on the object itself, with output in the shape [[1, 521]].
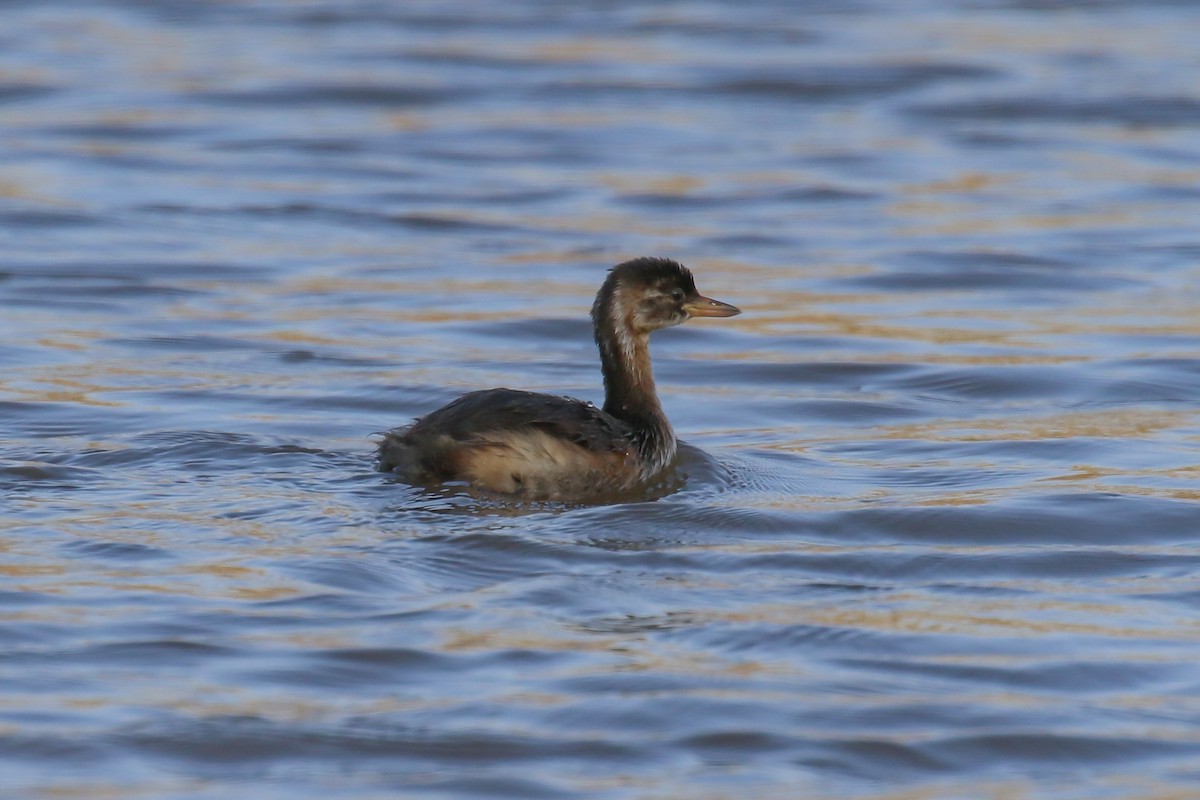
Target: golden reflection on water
[[1108, 423], [659, 659], [31, 570], [965, 182], [676, 185]]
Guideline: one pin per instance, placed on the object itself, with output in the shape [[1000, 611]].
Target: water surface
[[939, 532]]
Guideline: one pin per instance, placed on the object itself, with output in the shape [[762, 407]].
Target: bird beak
[[701, 306]]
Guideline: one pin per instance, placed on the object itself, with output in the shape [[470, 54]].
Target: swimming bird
[[547, 447]]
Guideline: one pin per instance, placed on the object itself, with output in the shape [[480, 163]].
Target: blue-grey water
[[938, 533]]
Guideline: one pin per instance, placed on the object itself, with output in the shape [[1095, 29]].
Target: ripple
[[826, 374], [49, 219], [474, 560], [813, 195], [993, 383], [361, 670], [188, 343], [117, 551], [104, 270], [50, 474], [132, 132], [162, 654], [1051, 678], [342, 215], [179, 448], [19, 92], [843, 81], [1130, 110], [1057, 753], [976, 271], [1044, 519], [355, 94], [247, 740]]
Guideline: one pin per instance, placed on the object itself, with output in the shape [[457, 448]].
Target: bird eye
[[677, 294]]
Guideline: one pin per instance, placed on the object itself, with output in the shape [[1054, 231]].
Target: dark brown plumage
[[547, 447]]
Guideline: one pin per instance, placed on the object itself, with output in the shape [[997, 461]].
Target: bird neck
[[629, 392]]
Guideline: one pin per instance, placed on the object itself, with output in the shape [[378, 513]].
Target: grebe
[[558, 448]]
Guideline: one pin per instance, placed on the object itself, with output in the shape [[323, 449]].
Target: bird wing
[[477, 414]]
